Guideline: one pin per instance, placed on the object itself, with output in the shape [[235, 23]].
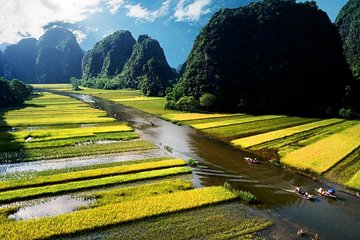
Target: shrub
[[347, 113], [192, 162], [187, 103], [207, 101], [245, 196]]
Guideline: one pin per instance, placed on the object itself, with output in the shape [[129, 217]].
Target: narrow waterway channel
[[219, 162]]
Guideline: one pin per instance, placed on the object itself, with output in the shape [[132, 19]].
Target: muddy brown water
[[219, 162]]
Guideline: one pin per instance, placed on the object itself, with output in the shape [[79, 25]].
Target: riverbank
[[325, 147]]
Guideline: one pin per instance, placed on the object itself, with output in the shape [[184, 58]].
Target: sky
[[174, 23]]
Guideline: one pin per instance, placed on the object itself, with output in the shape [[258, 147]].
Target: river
[[219, 162]]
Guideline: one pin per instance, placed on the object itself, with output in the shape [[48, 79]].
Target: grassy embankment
[[287, 135], [53, 126]]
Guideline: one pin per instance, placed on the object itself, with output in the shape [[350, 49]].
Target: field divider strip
[[89, 174], [36, 192]]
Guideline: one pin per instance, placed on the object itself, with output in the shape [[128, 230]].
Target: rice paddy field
[[135, 198], [52, 126], [137, 192], [327, 147]]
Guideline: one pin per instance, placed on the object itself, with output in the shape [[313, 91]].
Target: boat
[[252, 160], [303, 194], [329, 193]]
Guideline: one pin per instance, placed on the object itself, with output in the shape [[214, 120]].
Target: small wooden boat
[[303, 194], [251, 160], [325, 193]]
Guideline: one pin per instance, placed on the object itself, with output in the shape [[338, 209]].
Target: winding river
[[219, 162]]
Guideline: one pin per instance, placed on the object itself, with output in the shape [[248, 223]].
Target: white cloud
[[80, 35], [18, 17], [191, 12], [140, 13], [114, 5]]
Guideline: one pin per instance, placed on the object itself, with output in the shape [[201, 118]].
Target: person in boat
[[322, 191], [298, 190], [308, 195], [331, 191]]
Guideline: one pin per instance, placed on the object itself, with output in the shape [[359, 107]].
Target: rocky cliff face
[[19, 60], [108, 57], [274, 56], [348, 24], [59, 56], [144, 50]]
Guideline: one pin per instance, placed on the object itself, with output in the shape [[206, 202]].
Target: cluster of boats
[[330, 193]]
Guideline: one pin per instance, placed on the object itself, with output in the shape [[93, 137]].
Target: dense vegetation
[[147, 60], [53, 59], [348, 23], [108, 57], [13, 93], [118, 61], [273, 56]]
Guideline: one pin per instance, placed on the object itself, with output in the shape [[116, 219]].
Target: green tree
[[187, 103], [14, 92], [207, 101], [75, 83]]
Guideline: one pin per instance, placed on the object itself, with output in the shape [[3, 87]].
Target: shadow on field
[[8, 147], [10, 150]]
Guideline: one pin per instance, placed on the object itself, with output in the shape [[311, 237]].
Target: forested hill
[[59, 56], [53, 59], [348, 22], [146, 56], [273, 56], [118, 61], [108, 57]]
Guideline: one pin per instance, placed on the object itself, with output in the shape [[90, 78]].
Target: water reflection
[[50, 207]]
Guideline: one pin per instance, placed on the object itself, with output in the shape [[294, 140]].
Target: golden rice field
[[322, 155], [191, 116], [118, 205], [54, 126], [111, 214], [244, 119], [282, 133], [88, 174], [270, 136], [115, 194], [354, 181]]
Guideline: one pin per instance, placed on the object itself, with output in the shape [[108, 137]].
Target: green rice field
[[120, 204], [290, 136], [52, 126], [115, 194]]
